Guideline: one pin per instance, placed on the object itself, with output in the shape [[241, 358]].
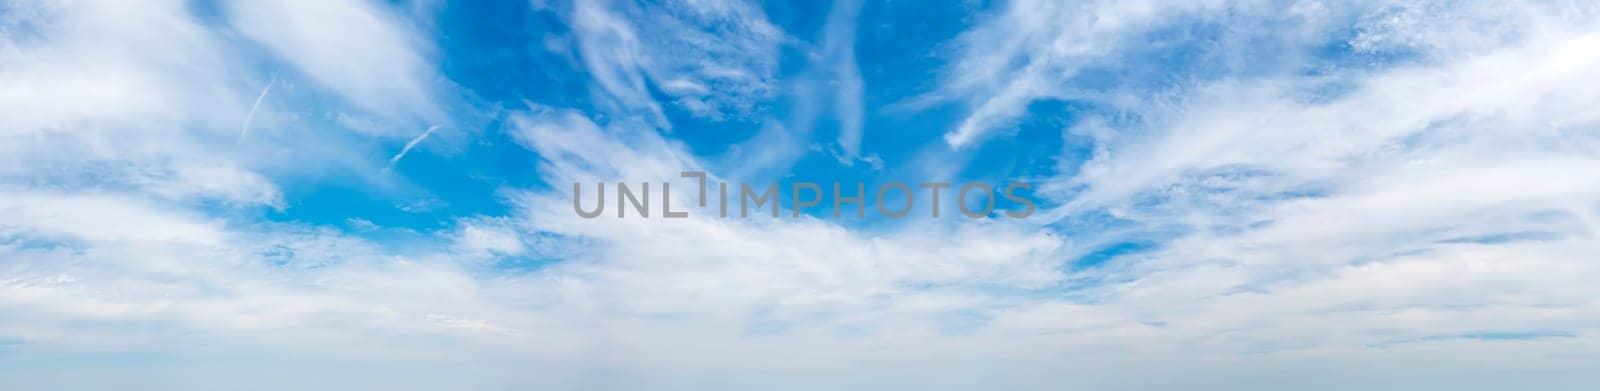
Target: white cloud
[[82, 109], [127, 196], [714, 59], [1433, 202], [1030, 49], [360, 50], [485, 237], [839, 49]]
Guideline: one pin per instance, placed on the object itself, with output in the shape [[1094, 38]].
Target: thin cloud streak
[[248, 117], [412, 144]]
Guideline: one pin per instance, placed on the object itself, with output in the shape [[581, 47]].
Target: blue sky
[[1231, 194]]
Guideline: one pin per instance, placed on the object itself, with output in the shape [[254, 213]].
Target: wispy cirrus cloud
[[1339, 198], [713, 59]]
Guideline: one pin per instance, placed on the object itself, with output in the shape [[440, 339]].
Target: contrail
[[411, 144], [257, 105]]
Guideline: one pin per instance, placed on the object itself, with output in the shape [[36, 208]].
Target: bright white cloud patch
[[361, 50]]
